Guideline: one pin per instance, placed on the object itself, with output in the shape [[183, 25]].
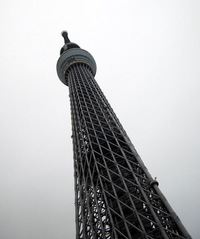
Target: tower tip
[[65, 36], [64, 33]]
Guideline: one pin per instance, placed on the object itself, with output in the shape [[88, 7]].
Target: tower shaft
[[115, 196]]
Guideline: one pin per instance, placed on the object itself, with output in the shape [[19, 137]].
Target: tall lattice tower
[[115, 196]]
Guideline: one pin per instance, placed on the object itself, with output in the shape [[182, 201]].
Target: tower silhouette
[[115, 196]]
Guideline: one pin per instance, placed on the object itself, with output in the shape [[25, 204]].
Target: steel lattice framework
[[115, 196]]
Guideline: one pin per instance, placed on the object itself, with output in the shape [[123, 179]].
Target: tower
[[115, 196]]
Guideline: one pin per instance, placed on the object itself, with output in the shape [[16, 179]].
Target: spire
[[68, 44], [65, 36]]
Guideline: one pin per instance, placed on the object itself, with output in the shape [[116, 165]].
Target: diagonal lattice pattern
[[115, 195]]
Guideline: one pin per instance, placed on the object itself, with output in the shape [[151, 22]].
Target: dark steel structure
[[115, 196]]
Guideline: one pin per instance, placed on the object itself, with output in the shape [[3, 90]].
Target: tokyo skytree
[[115, 195]]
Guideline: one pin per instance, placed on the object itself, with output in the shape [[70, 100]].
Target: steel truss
[[116, 197]]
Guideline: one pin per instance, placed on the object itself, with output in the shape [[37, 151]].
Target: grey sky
[[147, 55]]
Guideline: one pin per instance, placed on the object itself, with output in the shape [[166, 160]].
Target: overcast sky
[[148, 57]]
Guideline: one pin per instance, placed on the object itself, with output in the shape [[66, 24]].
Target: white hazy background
[[148, 60]]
